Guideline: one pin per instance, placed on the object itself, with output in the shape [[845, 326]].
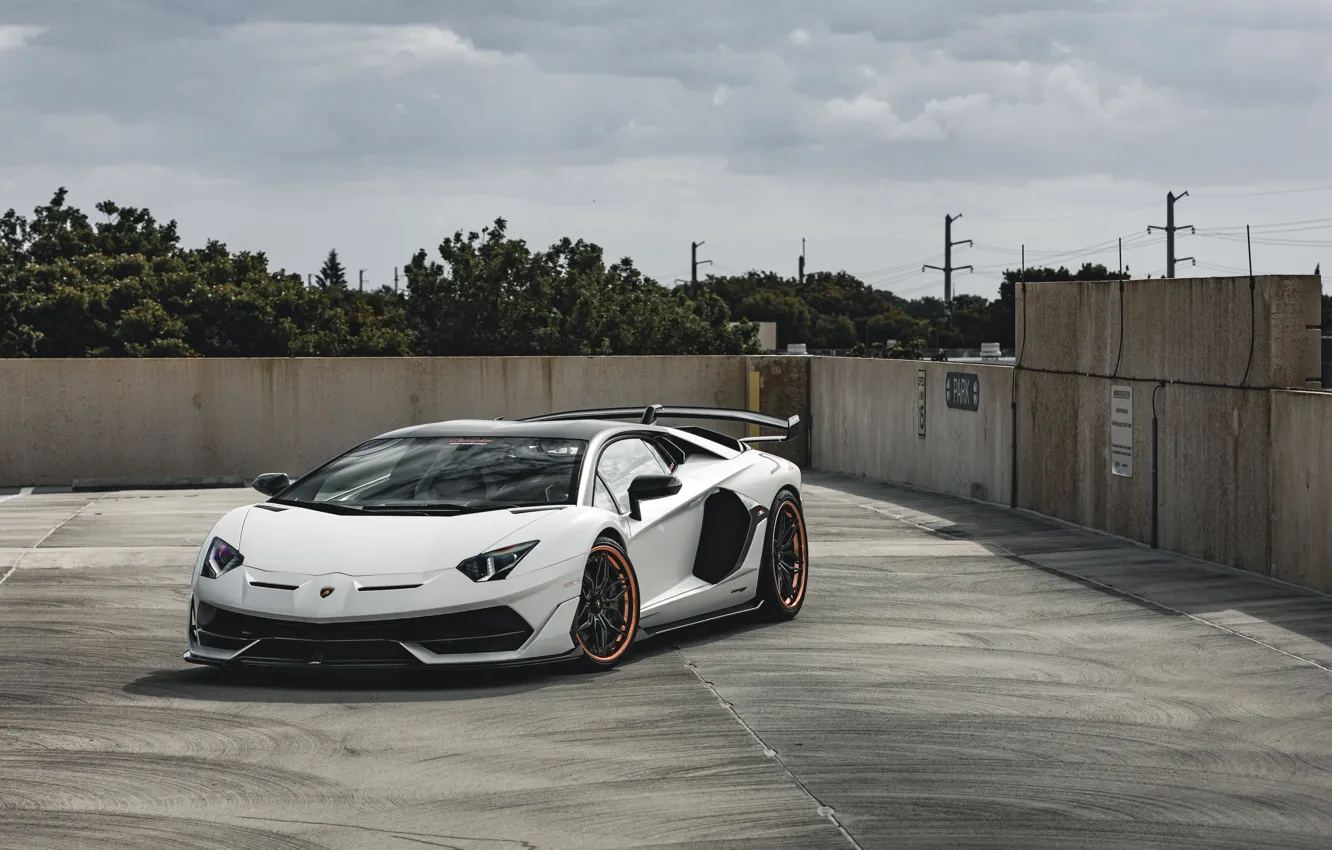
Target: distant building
[[1327, 361], [767, 334]]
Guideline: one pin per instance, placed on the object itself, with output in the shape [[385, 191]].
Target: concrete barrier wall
[[866, 422], [62, 420], [1186, 344], [1302, 488]]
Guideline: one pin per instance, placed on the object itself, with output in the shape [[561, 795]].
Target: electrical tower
[[1170, 229], [948, 268], [801, 275], [694, 261]]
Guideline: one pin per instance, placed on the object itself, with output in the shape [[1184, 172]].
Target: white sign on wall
[[1121, 431], [920, 399]]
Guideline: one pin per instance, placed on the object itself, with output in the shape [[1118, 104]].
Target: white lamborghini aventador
[[565, 536]]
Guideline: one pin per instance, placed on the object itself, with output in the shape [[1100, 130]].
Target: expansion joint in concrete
[[822, 808], [46, 537]]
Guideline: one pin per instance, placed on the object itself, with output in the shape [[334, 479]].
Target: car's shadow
[[332, 685]]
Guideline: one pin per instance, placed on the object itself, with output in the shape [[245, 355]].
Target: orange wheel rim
[[790, 561], [607, 615]]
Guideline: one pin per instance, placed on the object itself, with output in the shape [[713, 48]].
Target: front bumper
[[264, 618]]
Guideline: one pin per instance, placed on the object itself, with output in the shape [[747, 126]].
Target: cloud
[[13, 37], [840, 96]]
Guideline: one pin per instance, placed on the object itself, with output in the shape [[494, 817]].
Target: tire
[[606, 619], [781, 587]]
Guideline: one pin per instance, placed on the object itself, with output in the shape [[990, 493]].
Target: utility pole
[[362, 280], [802, 261], [395, 278], [1170, 229], [948, 268], [694, 262]]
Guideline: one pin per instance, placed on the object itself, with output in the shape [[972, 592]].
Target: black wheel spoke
[[616, 621]]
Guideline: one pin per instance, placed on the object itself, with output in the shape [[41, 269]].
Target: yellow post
[[754, 400]]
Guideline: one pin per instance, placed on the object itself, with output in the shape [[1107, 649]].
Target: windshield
[[414, 473]]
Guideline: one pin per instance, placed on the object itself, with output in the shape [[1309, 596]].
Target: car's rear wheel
[[607, 616], [784, 576]]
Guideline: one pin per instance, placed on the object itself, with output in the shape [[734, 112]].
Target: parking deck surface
[[961, 676]]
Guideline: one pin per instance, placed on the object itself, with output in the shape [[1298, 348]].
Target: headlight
[[222, 557], [495, 565]]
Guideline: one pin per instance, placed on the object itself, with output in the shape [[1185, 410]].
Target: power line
[[891, 270], [1130, 241], [1221, 268], [1278, 226], [1290, 243]]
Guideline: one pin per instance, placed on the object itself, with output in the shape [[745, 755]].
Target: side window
[[622, 462], [601, 497]]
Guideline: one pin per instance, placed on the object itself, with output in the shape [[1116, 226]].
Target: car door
[[664, 542]]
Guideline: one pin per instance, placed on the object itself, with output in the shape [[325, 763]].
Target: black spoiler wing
[[651, 413]]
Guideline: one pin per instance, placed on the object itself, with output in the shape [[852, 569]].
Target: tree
[[331, 274], [490, 294], [125, 287]]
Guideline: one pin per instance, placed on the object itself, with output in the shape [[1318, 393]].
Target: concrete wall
[[866, 423], [1302, 488], [62, 420], [1215, 443]]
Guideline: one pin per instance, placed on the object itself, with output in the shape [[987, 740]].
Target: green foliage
[[829, 310], [491, 295], [125, 287], [839, 311], [331, 275]]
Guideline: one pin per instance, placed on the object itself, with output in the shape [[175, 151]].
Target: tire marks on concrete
[[63, 830], [976, 701]]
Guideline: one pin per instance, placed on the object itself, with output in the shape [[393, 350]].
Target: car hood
[[311, 542]]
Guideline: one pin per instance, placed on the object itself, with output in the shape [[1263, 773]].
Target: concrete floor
[[961, 676]]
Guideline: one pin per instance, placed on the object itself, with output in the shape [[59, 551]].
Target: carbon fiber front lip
[[240, 660]]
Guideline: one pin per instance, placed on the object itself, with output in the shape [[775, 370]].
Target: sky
[[380, 127]]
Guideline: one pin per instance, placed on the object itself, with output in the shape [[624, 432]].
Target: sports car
[[566, 536]]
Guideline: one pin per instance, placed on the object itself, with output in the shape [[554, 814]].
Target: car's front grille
[[495, 629]]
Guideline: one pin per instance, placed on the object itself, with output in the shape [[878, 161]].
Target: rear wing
[[650, 414]]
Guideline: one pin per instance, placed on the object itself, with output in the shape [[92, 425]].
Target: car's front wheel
[[607, 616]]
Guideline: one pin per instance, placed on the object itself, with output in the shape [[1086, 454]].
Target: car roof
[[581, 429]]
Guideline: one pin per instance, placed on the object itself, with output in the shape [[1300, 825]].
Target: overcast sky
[[380, 126]]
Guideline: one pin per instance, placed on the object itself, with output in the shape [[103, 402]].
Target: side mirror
[[646, 487], [272, 483]]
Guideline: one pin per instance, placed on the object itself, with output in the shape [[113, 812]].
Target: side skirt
[[733, 611]]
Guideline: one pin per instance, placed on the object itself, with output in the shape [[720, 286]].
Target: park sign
[[962, 390]]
